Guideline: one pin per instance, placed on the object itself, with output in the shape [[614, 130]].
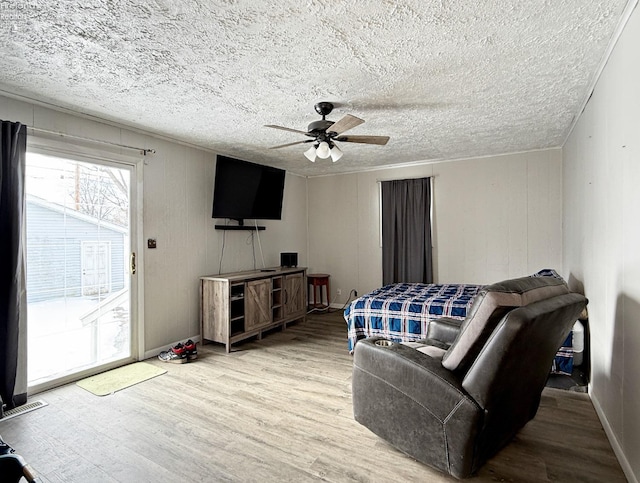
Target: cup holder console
[[383, 343]]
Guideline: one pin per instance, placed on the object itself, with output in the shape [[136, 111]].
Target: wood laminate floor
[[276, 409]]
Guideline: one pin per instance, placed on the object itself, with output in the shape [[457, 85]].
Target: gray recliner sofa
[[456, 398]]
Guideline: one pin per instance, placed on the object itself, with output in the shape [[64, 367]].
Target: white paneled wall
[[177, 199], [334, 238], [494, 218], [176, 191], [602, 240]]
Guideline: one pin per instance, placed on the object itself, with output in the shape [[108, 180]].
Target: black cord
[[224, 239], [253, 247], [328, 310], [353, 291]]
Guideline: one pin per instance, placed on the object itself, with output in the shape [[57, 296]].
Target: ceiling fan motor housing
[[323, 108], [317, 127]]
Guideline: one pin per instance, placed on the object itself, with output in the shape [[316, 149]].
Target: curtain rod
[[380, 180], [142, 151]]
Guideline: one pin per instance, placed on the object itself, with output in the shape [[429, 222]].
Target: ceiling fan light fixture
[[311, 154], [336, 153], [323, 150]]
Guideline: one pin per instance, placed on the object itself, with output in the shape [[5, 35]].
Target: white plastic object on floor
[[578, 343]]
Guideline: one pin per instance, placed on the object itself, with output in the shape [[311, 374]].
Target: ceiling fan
[[325, 133]]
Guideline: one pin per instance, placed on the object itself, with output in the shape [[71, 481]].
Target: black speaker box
[[289, 259]]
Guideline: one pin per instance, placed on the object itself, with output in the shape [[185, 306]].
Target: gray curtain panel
[[13, 147], [406, 231]]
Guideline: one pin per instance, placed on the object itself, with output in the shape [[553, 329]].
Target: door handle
[[133, 263]]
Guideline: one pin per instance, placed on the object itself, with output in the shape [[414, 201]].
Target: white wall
[[494, 218], [177, 200], [602, 240]]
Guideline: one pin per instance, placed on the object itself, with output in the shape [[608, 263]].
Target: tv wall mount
[[240, 227]]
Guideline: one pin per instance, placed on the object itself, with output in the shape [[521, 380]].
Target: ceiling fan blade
[[287, 129], [344, 124], [381, 140], [291, 144]]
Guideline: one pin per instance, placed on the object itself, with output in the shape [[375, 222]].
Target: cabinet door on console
[[295, 294], [257, 303]]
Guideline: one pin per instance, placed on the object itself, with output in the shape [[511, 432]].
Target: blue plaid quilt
[[402, 312], [563, 362]]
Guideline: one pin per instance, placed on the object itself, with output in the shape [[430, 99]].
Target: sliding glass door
[[79, 270]]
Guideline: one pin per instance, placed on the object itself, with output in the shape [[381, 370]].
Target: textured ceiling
[[444, 79]]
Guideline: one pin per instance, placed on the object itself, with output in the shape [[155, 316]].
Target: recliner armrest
[[442, 332], [418, 376], [395, 386], [409, 370]]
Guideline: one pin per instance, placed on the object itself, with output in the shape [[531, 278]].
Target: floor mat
[[120, 378]]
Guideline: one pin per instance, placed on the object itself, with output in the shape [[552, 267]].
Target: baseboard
[[617, 449], [154, 352]]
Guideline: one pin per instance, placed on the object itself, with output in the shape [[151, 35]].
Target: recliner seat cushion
[[490, 305]]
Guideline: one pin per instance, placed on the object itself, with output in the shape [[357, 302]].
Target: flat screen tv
[[244, 190]]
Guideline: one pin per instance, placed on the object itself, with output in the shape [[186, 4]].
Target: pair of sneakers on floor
[[181, 353]]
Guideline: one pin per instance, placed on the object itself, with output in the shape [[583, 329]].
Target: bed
[[402, 312]]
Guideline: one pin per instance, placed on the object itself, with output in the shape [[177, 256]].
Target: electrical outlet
[[339, 291]]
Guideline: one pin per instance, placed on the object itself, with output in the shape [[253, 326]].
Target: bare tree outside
[[101, 192]]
